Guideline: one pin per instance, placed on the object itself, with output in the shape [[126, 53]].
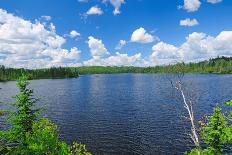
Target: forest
[[50, 73], [216, 65]]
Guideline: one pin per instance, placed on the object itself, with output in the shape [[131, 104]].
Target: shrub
[[29, 134]]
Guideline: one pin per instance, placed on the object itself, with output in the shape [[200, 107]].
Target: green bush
[[29, 134], [216, 134]]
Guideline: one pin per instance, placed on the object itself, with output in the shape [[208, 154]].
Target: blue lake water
[[124, 114]]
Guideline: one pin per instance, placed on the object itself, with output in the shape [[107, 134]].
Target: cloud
[[46, 18], [191, 5], [74, 34], [120, 44], [101, 56], [94, 10], [32, 45], [194, 5], [188, 22], [116, 60], [214, 1], [197, 47], [97, 48], [141, 36], [164, 53], [117, 4]]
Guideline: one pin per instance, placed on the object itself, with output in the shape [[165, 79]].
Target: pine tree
[[31, 135], [22, 118]]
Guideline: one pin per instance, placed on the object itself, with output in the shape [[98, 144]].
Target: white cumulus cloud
[[97, 48], [120, 44], [164, 53], [116, 60], [101, 56], [197, 47], [188, 22], [141, 36], [191, 5], [117, 4], [32, 45], [74, 34], [94, 10]]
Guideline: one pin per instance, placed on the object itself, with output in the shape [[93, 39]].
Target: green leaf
[[228, 103], [230, 115]]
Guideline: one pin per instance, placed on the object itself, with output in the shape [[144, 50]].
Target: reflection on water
[[123, 113]]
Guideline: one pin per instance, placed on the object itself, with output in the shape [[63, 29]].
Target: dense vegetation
[[29, 133], [216, 134], [50, 73], [217, 65]]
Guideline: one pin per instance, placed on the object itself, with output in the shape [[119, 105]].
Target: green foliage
[[79, 149], [23, 117], [216, 134], [49, 73], [228, 102], [29, 134], [217, 65], [44, 140], [199, 151]]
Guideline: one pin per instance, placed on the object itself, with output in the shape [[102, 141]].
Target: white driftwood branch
[[189, 107]]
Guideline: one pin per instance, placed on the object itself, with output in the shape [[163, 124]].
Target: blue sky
[[165, 31]]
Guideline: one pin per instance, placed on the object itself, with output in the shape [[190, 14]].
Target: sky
[[47, 33]]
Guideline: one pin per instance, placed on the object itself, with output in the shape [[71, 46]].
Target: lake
[[125, 114]]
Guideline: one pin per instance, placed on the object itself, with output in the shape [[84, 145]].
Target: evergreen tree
[[31, 135], [22, 119]]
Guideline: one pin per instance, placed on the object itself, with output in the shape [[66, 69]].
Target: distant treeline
[[50, 73], [216, 65]]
